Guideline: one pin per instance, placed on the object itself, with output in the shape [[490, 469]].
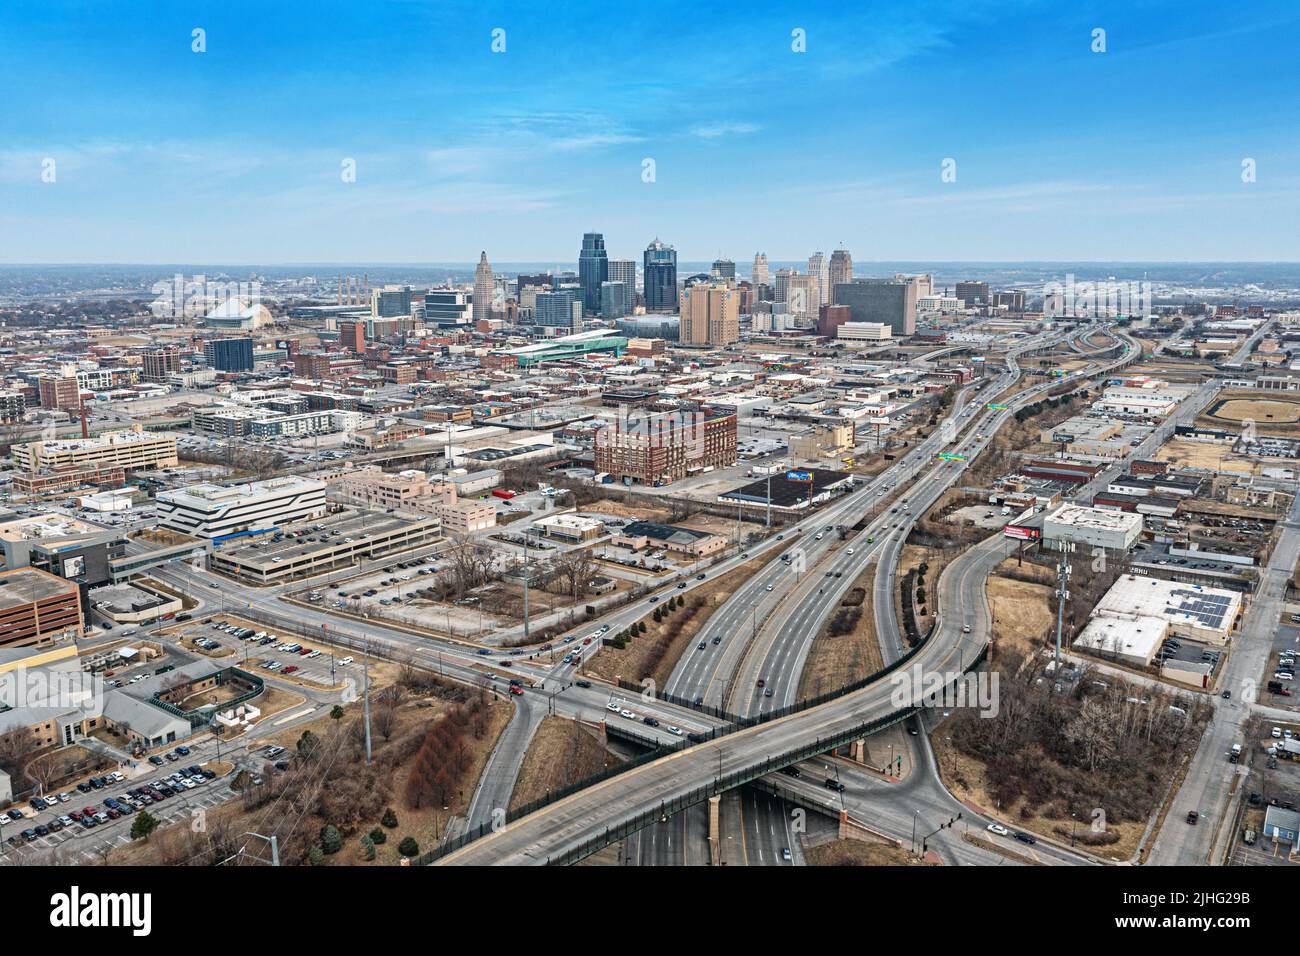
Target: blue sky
[[234, 155]]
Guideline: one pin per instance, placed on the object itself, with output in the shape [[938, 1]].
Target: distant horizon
[[1000, 131]]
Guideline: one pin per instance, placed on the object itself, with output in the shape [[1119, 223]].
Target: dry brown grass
[[562, 753], [834, 662], [654, 654], [1022, 611], [858, 853]]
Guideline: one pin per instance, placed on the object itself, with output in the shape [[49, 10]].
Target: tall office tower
[[759, 273], [448, 308], [724, 268], [624, 271], [593, 269], [923, 281], [841, 267], [659, 276], [782, 284], [710, 315], [561, 309], [891, 301], [482, 289], [973, 293], [615, 300], [819, 267], [803, 297]]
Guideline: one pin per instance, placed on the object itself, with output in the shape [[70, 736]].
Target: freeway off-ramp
[[591, 817]]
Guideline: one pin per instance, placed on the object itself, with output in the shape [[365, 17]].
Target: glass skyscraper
[[593, 269], [659, 276]]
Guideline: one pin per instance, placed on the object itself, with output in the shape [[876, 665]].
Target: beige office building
[[710, 315]]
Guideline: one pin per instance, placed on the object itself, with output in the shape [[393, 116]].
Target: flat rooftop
[[28, 585], [1078, 516], [334, 532], [48, 526], [207, 496]]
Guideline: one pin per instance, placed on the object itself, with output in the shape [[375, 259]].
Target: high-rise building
[[841, 267], [759, 273], [781, 284], [448, 308], [561, 309], [891, 301], [615, 300], [803, 296], [973, 293], [710, 315], [593, 269], [724, 268], [482, 289], [157, 364], [819, 266], [236, 354], [659, 276], [352, 336], [624, 271], [390, 302]]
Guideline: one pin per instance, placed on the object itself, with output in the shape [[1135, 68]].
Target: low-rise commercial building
[[129, 449], [220, 511], [1072, 527], [37, 608]]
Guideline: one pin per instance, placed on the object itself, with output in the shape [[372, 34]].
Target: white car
[[1277, 731], [613, 706], [999, 829], [769, 587], [628, 714], [850, 551], [675, 731], [345, 662]]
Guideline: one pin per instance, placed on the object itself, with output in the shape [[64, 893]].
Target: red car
[[290, 669], [586, 640], [76, 815], [305, 651], [516, 690], [113, 814], [89, 812]]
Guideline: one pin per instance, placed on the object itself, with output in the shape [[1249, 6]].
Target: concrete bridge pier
[[715, 830]]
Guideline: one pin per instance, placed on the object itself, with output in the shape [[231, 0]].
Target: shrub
[[331, 841], [408, 847], [389, 819], [377, 836]]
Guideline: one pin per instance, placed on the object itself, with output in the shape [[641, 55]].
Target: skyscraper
[[891, 301], [624, 271], [819, 267], [841, 267], [561, 309], [593, 269], [710, 315], [659, 274], [615, 300], [725, 268], [759, 273], [482, 289]]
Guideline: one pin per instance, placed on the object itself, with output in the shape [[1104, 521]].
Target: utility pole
[[1062, 595], [366, 682], [527, 637]]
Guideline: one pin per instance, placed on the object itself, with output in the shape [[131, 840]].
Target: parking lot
[[83, 823], [282, 654]]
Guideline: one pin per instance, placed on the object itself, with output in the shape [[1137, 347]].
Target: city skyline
[[1059, 152]]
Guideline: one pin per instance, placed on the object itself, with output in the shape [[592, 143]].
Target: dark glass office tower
[[593, 269], [659, 276]]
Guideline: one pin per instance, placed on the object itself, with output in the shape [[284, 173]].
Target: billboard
[[1021, 534], [803, 477]]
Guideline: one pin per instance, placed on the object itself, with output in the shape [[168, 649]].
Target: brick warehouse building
[[660, 449]]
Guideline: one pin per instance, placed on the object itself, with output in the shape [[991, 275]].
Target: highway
[[581, 823]]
